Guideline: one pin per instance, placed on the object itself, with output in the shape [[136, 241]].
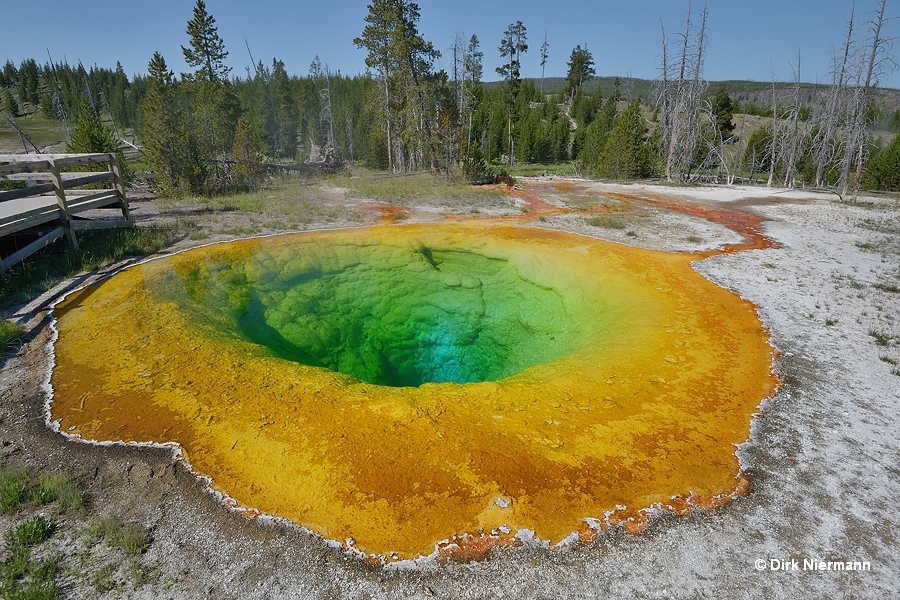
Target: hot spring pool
[[398, 386]]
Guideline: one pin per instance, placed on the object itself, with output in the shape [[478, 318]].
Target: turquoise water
[[394, 315]]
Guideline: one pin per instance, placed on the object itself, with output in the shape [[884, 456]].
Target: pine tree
[[246, 153], [90, 133], [723, 109], [627, 154], [545, 54], [581, 70], [9, 75], [410, 90], [282, 123], [883, 171], [10, 105], [512, 46], [207, 52], [168, 148]]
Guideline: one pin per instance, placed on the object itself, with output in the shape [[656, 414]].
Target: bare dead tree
[[680, 93], [736, 158], [663, 96], [714, 155], [827, 144], [792, 141], [873, 69], [773, 151], [322, 78]]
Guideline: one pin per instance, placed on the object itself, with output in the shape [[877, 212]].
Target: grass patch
[[887, 359], [44, 269], [103, 579], [562, 169], [31, 532], [887, 287], [62, 489], [632, 234], [287, 200], [40, 129], [587, 201], [13, 489], [829, 321], [18, 489], [606, 222], [867, 246], [888, 225], [23, 579], [404, 187], [131, 538], [142, 574], [695, 239], [881, 338], [9, 333], [247, 202]]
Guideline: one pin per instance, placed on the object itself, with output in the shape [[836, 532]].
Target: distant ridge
[[743, 91]]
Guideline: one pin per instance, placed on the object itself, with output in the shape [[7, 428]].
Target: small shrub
[[889, 360], [632, 234], [829, 321], [695, 239]]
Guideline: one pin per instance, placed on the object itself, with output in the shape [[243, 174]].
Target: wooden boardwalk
[[48, 207]]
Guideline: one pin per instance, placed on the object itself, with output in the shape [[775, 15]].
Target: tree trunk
[[792, 157], [773, 153], [876, 44]]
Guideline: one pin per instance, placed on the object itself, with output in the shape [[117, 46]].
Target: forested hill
[[742, 91]]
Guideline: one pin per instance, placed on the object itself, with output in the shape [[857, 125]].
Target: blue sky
[[747, 40]]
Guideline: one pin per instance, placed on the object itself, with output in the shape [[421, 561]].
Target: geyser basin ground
[[401, 385]]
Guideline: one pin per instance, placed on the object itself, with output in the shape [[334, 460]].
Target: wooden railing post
[[119, 183], [60, 191]]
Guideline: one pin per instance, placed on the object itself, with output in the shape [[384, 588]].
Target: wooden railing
[[49, 205]]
